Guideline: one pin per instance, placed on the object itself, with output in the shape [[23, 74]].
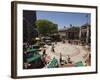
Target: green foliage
[[46, 27]]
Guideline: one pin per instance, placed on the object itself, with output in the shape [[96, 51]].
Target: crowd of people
[[61, 61], [45, 58]]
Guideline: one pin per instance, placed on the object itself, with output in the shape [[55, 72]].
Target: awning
[[79, 64], [53, 63], [36, 56], [33, 50]]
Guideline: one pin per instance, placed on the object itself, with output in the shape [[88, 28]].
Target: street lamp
[[37, 39]]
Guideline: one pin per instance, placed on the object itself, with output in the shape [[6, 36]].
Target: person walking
[[68, 59], [44, 51], [52, 49], [60, 59]]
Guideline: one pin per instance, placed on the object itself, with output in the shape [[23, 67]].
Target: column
[[80, 34], [87, 35]]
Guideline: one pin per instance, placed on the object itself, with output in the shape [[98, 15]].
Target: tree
[[46, 26]]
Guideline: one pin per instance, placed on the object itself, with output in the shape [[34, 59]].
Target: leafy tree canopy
[[46, 26]]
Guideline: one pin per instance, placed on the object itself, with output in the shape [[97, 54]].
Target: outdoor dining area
[[33, 59], [46, 53]]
